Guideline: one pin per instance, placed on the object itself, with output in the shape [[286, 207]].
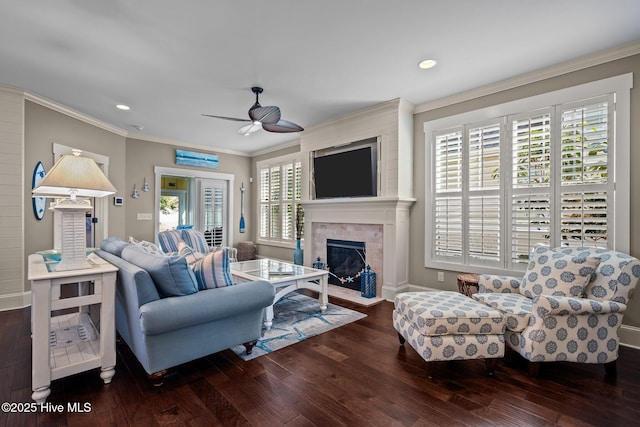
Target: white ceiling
[[172, 61]]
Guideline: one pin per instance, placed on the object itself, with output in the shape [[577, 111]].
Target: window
[[280, 191], [544, 176]]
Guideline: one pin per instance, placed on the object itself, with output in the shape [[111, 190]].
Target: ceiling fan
[[267, 118]]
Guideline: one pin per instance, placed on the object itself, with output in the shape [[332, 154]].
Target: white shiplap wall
[[11, 198]]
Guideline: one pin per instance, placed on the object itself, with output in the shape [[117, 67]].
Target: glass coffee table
[[285, 278]]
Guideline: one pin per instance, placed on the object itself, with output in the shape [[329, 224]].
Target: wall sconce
[[135, 193], [145, 186]]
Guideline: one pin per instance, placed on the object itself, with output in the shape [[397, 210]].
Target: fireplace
[[383, 225], [346, 260]]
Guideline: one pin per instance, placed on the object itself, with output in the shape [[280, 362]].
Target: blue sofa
[[166, 332]]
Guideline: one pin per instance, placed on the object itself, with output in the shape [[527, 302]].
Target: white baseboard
[[15, 301], [629, 336]]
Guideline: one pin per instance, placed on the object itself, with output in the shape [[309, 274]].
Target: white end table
[[50, 363]]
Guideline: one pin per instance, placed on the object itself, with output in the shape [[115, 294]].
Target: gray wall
[[143, 156], [421, 276], [43, 128]]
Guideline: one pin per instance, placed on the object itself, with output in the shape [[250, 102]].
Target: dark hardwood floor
[[356, 375]]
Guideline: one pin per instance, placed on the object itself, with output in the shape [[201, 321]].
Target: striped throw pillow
[[169, 241], [196, 240], [213, 270]]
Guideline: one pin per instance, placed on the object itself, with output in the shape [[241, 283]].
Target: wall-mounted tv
[[347, 173]]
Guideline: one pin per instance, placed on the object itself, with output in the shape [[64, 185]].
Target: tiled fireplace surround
[[383, 224]]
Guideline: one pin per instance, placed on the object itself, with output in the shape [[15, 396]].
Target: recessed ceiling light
[[427, 63], [123, 107]]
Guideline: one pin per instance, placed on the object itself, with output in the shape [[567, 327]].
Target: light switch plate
[[144, 216]]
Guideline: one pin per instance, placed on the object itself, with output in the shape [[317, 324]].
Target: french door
[[211, 210]]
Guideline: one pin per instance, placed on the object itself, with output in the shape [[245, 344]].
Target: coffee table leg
[[268, 317]]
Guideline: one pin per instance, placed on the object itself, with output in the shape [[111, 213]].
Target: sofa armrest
[[549, 305], [173, 313], [489, 283]]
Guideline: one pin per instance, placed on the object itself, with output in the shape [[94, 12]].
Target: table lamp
[[73, 176]]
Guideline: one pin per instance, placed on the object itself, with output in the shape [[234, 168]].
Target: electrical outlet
[[440, 276]]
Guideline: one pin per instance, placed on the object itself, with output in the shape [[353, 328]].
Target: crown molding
[[182, 144], [279, 147], [52, 105], [598, 58]]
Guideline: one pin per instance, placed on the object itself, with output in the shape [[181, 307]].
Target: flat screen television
[[350, 173]]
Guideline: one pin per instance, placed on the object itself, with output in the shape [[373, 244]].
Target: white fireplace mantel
[[391, 213]]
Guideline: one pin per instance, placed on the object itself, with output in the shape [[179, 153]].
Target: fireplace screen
[[346, 262]]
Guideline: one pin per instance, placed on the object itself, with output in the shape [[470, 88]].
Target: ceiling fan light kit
[[267, 118]]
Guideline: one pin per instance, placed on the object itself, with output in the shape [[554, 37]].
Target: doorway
[[188, 198]]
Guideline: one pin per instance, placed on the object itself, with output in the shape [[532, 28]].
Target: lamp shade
[[74, 175]]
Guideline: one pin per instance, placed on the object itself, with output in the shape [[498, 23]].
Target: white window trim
[[193, 173], [619, 85], [268, 163]]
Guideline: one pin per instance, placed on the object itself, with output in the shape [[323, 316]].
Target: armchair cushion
[[515, 307], [555, 273]]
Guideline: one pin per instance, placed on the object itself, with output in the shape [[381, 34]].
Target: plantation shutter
[[584, 167], [264, 203], [448, 194], [280, 192], [531, 184], [483, 211], [212, 215]]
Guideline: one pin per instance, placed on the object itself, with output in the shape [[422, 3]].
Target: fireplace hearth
[[346, 261]]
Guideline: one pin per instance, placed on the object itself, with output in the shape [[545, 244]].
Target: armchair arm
[[489, 283], [173, 313], [547, 305]]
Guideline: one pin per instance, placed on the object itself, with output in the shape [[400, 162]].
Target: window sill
[[288, 245]]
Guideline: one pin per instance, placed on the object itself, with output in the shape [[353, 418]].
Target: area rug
[[296, 318]]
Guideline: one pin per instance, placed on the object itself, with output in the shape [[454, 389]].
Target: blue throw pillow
[[213, 271], [171, 274], [113, 245]]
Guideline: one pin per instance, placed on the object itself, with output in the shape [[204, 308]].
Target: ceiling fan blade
[[235, 119], [268, 114], [283, 126], [250, 128]]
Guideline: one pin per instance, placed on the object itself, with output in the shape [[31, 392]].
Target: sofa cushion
[[195, 239], [448, 313], [169, 240], [213, 270], [554, 273], [171, 274], [113, 245], [149, 247], [516, 308]]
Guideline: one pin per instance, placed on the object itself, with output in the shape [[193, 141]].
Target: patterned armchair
[[561, 310]]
